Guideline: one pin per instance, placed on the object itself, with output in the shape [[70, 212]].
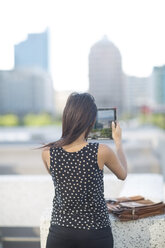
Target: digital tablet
[[102, 128]]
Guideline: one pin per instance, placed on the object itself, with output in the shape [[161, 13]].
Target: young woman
[[80, 216]]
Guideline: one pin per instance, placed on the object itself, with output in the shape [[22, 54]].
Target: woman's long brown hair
[[79, 115]]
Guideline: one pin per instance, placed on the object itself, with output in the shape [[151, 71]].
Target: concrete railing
[[27, 201], [24, 198], [142, 233]]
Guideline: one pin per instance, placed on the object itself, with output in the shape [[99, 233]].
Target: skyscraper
[[158, 75], [105, 75], [33, 52]]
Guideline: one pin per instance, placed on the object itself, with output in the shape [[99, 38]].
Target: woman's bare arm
[[45, 156], [113, 161], [116, 162], [121, 155]]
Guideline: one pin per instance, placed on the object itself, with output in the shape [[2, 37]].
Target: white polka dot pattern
[[79, 188]]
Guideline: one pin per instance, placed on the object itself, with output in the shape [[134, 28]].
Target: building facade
[[158, 75], [105, 75], [138, 93], [26, 91], [33, 52]]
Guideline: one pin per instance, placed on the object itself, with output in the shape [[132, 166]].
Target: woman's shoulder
[[104, 149], [103, 146], [46, 152]]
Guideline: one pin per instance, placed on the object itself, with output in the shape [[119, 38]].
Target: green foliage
[[37, 120], [127, 116], [154, 119], [9, 120], [57, 120], [106, 132], [158, 120], [30, 120]]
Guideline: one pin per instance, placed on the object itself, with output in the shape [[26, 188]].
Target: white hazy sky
[[136, 27]]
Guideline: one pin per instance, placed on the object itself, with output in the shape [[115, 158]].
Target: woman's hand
[[116, 132]]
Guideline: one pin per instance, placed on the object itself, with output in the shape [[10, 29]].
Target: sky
[[136, 27]]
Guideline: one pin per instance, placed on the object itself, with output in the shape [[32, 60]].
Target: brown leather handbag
[[134, 207]]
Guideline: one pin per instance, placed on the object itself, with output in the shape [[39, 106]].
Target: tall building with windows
[[105, 75], [138, 93], [33, 52], [158, 76], [26, 91]]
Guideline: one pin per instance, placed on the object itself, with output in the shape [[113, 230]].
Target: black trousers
[[68, 237]]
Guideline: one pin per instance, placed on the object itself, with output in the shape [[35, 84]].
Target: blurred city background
[[112, 49]]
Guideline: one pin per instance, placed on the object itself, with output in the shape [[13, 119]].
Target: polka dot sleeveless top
[[79, 189]]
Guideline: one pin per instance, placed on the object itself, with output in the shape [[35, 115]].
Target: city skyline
[[75, 27]]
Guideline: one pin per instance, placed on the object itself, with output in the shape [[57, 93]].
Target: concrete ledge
[[24, 198], [148, 185], [112, 186], [143, 233]]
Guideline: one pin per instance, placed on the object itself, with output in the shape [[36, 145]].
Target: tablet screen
[[102, 128]]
